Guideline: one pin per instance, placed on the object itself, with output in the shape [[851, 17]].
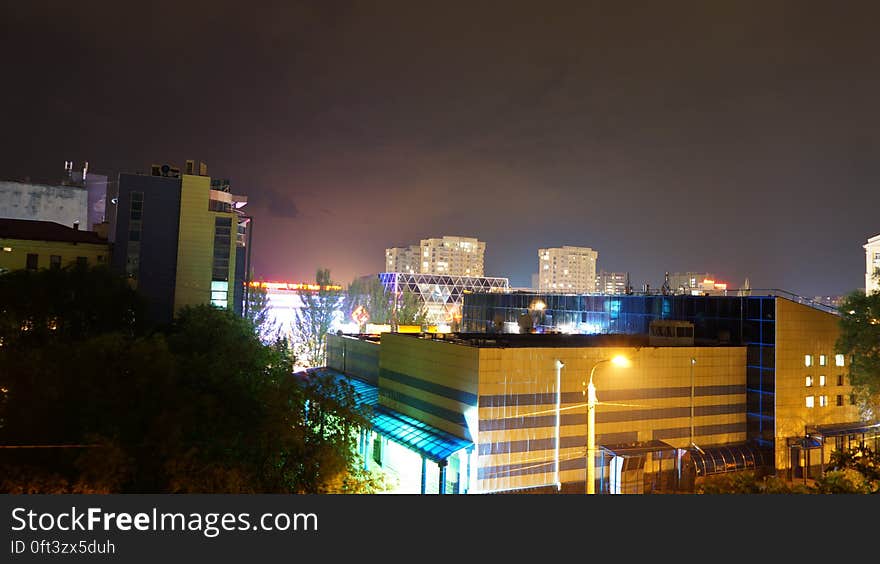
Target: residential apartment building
[[452, 256], [612, 282], [567, 270], [403, 259], [696, 283], [181, 239], [872, 263], [446, 256], [33, 245]]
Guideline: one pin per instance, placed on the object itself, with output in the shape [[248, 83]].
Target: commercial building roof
[[432, 443], [31, 230]]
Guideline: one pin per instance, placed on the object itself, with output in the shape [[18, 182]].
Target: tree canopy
[[315, 319], [859, 340], [200, 406]]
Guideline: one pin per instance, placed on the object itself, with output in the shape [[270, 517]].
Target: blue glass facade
[[718, 320]]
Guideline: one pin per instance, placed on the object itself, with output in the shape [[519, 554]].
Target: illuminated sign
[[360, 315], [295, 286]]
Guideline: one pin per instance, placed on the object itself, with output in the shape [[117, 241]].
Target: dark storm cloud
[[739, 138], [279, 204]]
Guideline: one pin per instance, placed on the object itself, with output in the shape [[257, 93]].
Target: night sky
[[740, 138]]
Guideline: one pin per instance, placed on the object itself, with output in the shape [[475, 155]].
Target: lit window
[[823, 401], [821, 360], [838, 359], [821, 379], [811, 401], [809, 381], [7, 249], [808, 360]]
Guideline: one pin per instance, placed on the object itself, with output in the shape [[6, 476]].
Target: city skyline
[[684, 137]]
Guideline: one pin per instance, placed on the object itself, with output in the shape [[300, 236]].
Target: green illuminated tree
[[314, 319], [859, 341], [410, 309], [370, 293], [257, 312]]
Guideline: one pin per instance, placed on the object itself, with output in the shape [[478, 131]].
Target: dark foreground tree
[[203, 406]]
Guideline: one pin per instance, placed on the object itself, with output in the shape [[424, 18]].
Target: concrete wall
[[41, 202], [195, 249], [158, 244], [433, 381], [354, 356], [801, 331], [13, 253]]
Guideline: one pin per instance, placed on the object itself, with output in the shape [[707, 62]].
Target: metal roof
[[853, 428], [432, 443]]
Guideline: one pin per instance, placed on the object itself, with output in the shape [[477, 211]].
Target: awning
[[366, 394], [432, 443], [853, 428], [729, 458], [637, 449]]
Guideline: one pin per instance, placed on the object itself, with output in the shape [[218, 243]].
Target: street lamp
[[618, 360], [693, 445], [559, 366]]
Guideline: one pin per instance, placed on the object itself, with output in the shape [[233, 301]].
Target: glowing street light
[[622, 362]]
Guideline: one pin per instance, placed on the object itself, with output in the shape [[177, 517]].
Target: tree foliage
[[257, 311], [314, 320], [859, 340], [378, 301], [410, 309], [850, 471], [200, 406]]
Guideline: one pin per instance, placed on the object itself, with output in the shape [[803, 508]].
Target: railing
[[741, 292]]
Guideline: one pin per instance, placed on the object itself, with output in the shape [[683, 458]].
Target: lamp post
[[559, 366], [693, 362], [619, 360]]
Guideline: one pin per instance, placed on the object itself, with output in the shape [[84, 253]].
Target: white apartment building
[[568, 270], [452, 256], [403, 259], [612, 282], [872, 263]]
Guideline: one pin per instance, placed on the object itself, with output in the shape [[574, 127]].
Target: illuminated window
[[219, 293], [808, 360], [7, 249], [823, 401], [838, 360], [811, 401], [821, 379], [809, 381]]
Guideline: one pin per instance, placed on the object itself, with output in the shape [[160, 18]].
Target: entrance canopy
[[434, 444]]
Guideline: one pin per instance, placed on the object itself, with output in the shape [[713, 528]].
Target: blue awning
[[432, 443]]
